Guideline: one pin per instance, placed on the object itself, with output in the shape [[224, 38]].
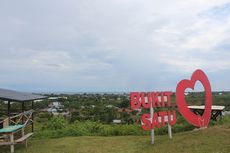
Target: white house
[[116, 121], [55, 104]]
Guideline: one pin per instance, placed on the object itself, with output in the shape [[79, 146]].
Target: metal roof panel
[[12, 95]]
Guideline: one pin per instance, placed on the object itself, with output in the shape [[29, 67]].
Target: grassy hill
[[211, 140]]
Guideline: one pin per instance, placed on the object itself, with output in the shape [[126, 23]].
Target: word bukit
[[159, 100]]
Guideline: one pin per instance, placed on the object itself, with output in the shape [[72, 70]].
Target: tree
[[124, 104]]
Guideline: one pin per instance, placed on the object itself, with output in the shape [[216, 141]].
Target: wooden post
[[26, 143], [23, 109], [12, 141], [8, 112], [6, 122], [32, 116], [23, 132]]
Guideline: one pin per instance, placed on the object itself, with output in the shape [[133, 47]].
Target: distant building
[[54, 107], [116, 121], [62, 113], [55, 104], [53, 98], [39, 100], [120, 110], [109, 106], [63, 97], [82, 107], [52, 110]]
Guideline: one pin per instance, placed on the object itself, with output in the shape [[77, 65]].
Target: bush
[[58, 127], [224, 120], [57, 122]]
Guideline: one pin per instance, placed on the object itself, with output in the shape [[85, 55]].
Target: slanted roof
[[12, 95]]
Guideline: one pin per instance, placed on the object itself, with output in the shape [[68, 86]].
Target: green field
[[212, 140]]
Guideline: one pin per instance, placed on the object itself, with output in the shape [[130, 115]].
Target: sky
[[113, 45]]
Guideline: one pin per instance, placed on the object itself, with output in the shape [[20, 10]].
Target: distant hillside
[[219, 98]]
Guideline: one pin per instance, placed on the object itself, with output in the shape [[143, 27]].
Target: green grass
[[212, 140]]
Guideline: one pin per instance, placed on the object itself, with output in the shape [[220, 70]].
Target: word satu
[[154, 99]]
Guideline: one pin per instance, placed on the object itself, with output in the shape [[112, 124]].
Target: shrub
[[57, 122], [58, 127], [224, 120]]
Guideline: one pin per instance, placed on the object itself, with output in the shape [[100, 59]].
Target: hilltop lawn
[[211, 140]]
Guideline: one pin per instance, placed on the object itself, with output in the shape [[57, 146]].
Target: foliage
[[58, 127], [124, 104], [41, 105], [224, 120], [57, 123]]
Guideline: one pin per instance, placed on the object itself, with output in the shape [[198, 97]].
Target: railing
[[16, 119]]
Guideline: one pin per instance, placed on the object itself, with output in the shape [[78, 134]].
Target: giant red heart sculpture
[[196, 120]]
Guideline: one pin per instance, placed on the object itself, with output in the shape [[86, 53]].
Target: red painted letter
[[146, 104], [162, 114], [155, 121], [168, 94], [135, 100], [172, 122], [146, 124], [155, 100]]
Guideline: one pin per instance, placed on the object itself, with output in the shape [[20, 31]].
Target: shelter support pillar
[[12, 141], [8, 112], [32, 116], [23, 109]]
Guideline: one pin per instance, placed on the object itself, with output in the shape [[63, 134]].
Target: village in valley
[[107, 108]]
